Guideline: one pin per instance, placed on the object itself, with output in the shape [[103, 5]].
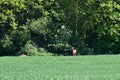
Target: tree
[[92, 26], [92, 22], [14, 16]]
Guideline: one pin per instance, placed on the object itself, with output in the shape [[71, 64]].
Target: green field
[[101, 67]]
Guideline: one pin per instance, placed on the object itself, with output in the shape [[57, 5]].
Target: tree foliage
[[91, 26]]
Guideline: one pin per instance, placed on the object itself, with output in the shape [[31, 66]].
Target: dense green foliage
[[91, 26], [60, 68]]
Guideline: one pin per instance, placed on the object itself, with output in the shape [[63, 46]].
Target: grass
[[100, 67]]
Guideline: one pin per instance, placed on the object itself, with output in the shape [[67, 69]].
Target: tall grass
[[102, 67]]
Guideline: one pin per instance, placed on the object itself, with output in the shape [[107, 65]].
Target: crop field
[[99, 67]]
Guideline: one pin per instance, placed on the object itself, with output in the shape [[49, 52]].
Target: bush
[[60, 48], [6, 46], [31, 49], [83, 49]]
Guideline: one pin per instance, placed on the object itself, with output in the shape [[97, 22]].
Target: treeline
[[36, 27]]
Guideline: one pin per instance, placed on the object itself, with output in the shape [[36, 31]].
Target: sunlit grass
[[102, 67]]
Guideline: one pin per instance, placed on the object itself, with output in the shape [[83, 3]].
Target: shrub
[[60, 48], [83, 49], [31, 49], [6, 46]]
